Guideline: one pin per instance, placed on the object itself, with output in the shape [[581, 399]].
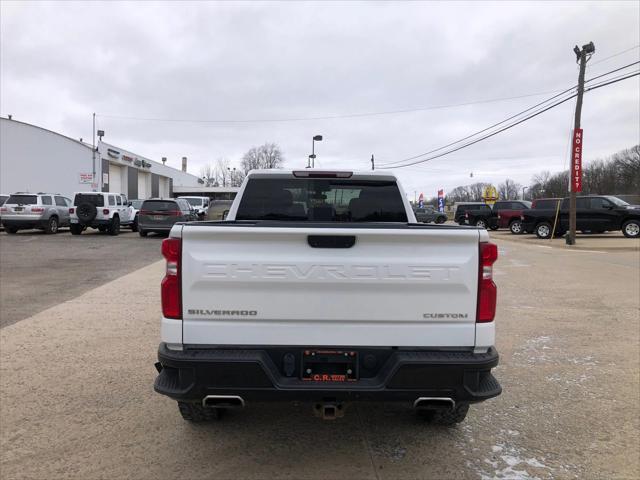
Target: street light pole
[[312, 157], [523, 189]]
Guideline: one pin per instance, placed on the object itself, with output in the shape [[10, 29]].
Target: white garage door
[[115, 178], [144, 185]]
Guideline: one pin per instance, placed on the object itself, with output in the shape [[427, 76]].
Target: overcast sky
[[268, 61]]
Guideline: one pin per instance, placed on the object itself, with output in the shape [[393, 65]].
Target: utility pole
[[582, 56], [93, 153], [373, 165]]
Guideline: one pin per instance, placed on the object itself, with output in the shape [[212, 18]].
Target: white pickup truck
[[321, 287]]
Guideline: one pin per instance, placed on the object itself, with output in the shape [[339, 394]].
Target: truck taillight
[[487, 290], [37, 209], [71, 210], [170, 286]]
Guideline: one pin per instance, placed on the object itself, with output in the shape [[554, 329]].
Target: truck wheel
[[142, 233], [447, 417], [11, 230], [196, 413], [543, 230], [516, 227], [76, 229], [114, 228], [134, 224], [480, 224], [441, 220], [631, 229]]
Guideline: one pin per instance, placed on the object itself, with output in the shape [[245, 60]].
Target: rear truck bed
[[328, 313]]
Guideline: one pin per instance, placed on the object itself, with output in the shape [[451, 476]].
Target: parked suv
[[159, 215], [105, 211], [428, 215], [462, 207], [44, 211]]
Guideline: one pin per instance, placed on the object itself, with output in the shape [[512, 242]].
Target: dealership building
[[34, 159]]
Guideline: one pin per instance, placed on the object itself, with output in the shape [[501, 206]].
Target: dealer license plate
[[329, 366]]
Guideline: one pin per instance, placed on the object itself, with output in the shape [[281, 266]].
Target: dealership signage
[[441, 200], [85, 178], [421, 200], [576, 161]]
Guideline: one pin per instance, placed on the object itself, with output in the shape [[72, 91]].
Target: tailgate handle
[[331, 241]]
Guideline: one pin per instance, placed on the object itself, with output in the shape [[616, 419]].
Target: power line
[[614, 80], [468, 144], [480, 131], [327, 117], [614, 55]]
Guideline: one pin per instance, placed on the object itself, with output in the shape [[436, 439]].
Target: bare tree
[[508, 190], [208, 174], [265, 156], [222, 171]]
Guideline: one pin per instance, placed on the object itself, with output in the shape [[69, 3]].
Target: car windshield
[[93, 198], [322, 200], [23, 199], [196, 202], [618, 202], [137, 204]]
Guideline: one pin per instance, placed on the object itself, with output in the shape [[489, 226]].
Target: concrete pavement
[[76, 397]]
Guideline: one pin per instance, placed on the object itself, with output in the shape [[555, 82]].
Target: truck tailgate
[[255, 285]]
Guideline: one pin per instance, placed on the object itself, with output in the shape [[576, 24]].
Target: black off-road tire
[[142, 233], [446, 417], [114, 227], [134, 224], [11, 230], [76, 228], [86, 212], [631, 229], [440, 220], [196, 413]]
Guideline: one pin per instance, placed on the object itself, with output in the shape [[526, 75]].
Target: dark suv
[[462, 208], [159, 215]]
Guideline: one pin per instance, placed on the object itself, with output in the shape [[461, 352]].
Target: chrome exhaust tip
[[434, 403], [223, 401]]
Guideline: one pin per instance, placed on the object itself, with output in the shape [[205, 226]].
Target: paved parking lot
[[77, 399], [49, 269]]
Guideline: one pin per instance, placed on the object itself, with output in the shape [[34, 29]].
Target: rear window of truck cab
[[321, 200]]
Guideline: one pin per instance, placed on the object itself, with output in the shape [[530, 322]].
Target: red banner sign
[[576, 161]]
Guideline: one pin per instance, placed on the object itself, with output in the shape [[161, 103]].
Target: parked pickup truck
[[503, 214], [596, 214], [321, 287]]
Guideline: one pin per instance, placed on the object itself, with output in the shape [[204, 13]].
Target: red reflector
[[105, 211], [487, 290], [170, 287], [71, 210], [37, 210]]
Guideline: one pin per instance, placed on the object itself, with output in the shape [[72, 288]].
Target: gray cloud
[[203, 61]]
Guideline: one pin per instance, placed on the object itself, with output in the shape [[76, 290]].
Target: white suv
[[105, 211], [200, 204]]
